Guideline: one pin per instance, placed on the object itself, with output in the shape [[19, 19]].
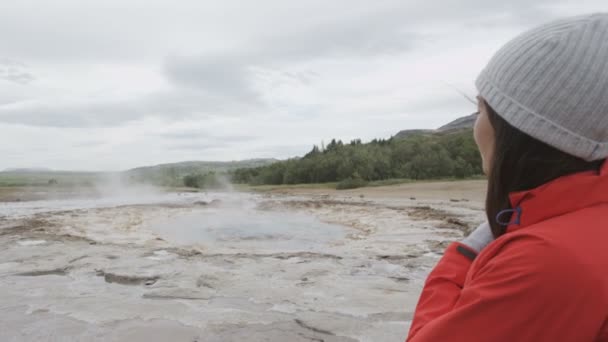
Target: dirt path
[[457, 190]]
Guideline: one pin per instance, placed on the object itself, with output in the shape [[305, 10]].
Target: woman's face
[[484, 135]]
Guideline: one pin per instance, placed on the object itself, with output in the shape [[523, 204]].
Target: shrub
[[351, 183]]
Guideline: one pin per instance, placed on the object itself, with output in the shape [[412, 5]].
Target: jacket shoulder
[[534, 258]]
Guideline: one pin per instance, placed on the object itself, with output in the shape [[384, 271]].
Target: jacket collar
[[558, 197]]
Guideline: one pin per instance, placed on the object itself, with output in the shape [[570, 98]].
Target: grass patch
[[398, 181], [389, 182], [268, 188], [334, 185], [351, 183], [20, 179]]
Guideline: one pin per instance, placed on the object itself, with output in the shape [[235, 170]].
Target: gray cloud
[[390, 28], [201, 139], [207, 144], [361, 35], [204, 134], [198, 147], [72, 31], [77, 114], [223, 83], [230, 74], [224, 79], [14, 71], [184, 135], [170, 105], [88, 144], [286, 70]]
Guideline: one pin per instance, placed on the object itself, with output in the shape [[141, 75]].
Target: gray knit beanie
[[552, 84]]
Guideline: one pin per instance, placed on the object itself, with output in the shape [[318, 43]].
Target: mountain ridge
[[460, 124], [194, 166]]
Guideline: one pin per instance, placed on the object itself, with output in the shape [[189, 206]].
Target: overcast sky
[[115, 84]]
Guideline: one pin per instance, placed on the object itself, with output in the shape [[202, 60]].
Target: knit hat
[[552, 84]]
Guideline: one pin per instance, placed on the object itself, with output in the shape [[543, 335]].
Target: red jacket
[[546, 279]]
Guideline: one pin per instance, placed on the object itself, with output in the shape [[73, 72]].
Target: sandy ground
[[470, 190], [299, 265]]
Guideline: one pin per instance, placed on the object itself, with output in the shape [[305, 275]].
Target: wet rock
[[56, 271], [24, 226], [458, 224], [286, 256], [187, 294], [314, 329], [393, 257], [127, 279], [305, 284], [78, 259], [184, 253], [400, 279], [314, 274], [150, 282], [292, 331], [425, 213], [207, 281], [300, 257]]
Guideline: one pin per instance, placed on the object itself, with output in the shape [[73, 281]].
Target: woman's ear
[[484, 136]]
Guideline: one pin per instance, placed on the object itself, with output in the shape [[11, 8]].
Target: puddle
[[31, 242], [161, 255], [250, 229]]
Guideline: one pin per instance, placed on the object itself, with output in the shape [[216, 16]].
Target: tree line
[[421, 156]]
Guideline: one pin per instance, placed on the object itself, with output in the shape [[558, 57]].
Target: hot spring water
[[250, 230]]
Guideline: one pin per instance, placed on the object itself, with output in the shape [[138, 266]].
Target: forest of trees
[[209, 180], [423, 156]]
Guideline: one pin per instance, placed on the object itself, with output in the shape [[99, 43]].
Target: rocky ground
[[336, 266]]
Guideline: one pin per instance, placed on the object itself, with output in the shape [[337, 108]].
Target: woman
[[538, 270]]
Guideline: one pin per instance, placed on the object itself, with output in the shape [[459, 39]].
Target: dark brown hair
[[520, 163]]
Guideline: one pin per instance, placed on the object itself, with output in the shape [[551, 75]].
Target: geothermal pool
[[228, 219], [219, 266], [251, 230]]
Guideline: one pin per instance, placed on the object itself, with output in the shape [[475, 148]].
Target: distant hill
[[465, 122], [27, 170], [410, 132], [460, 124], [39, 177], [205, 166], [166, 174]]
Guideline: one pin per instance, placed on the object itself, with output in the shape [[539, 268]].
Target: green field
[[333, 185], [50, 178]]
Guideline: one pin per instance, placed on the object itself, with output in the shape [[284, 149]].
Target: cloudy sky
[[115, 84]]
